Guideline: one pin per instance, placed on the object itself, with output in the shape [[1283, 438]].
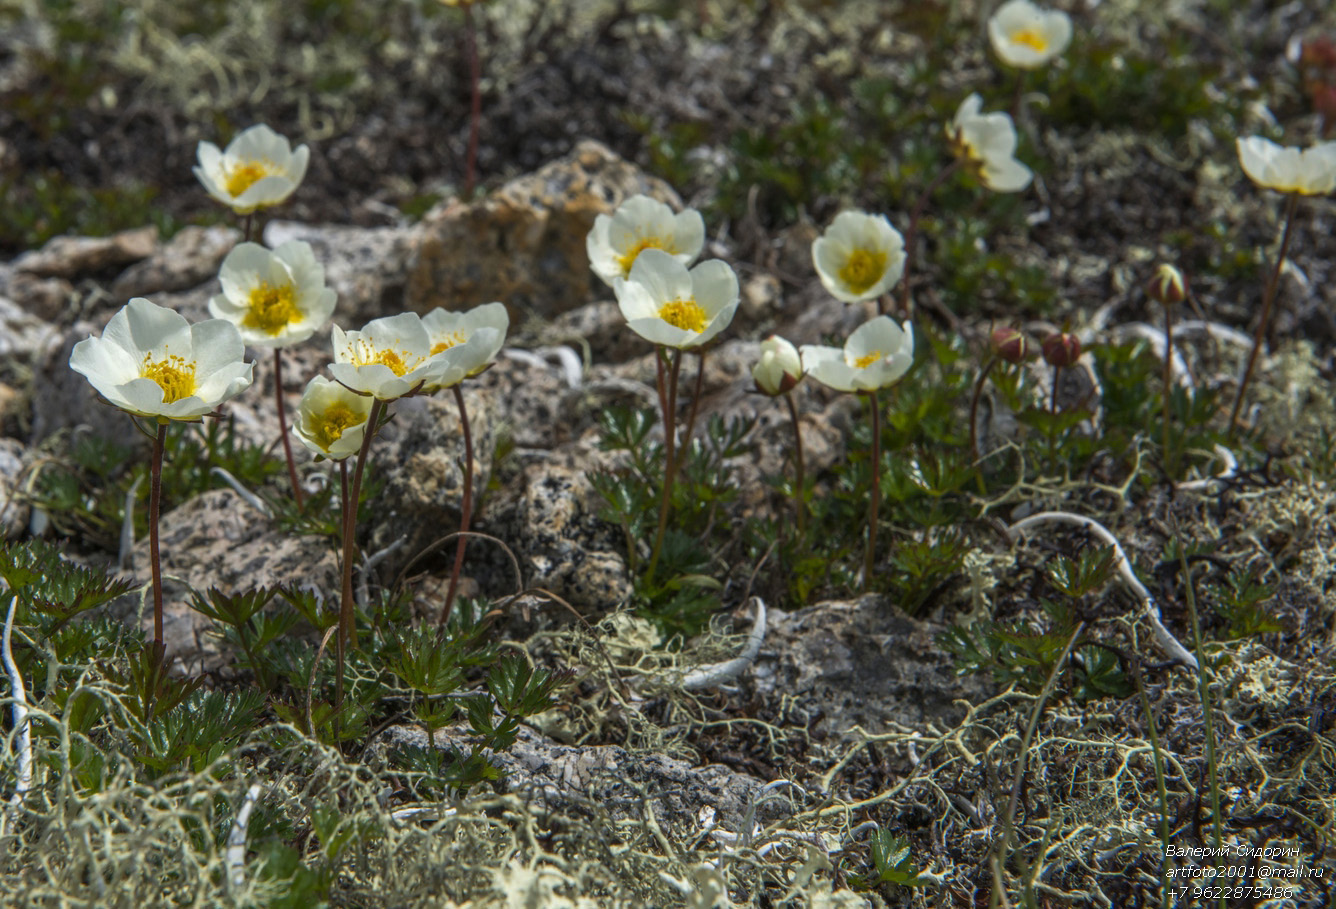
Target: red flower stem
[[475, 108], [1268, 300], [911, 235], [799, 482], [154, 508], [670, 463], [347, 624], [466, 509], [283, 429], [339, 645], [1168, 385], [695, 402], [874, 497]]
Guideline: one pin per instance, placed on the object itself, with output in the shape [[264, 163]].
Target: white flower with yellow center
[[859, 257], [331, 420], [463, 344], [1307, 171], [150, 361], [275, 299], [642, 223], [780, 367], [258, 169], [877, 354], [388, 359], [666, 304], [986, 143], [1026, 36]]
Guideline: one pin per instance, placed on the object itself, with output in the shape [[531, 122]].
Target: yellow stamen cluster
[[174, 376], [328, 427], [863, 269], [271, 309], [454, 339], [865, 362], [1031, 39], [625, 262], [684, 314], [244, 174]]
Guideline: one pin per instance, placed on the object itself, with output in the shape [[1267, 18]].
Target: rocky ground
[[756, 782]]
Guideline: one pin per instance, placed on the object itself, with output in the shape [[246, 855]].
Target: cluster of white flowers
[[151, 362]]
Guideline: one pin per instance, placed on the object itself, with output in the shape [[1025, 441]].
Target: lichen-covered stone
[[525, 243], [187, 260], [14, 510], [73, 257], [366, 266]]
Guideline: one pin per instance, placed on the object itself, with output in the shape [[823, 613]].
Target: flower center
[[454, 339], [272, 308], [174, 376], [625, 262], [863, 269], [684, 314], [865, 362], [244, 174], [328, 427], [1031, 38]]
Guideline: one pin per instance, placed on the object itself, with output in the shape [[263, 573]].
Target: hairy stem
[[974, 408], [1168, 387], [466, 509], [874, 494], [912, 233], [669, 396], [347, 624], [1268, 300], [283, 429], [154, 507], [799, 482]]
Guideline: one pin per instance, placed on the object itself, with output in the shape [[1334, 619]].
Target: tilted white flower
[[150, 361], [642, 223], [387, 359], [331, 420], [780, 367], [1026, 36], [877, 354], [258, 169], [464, 343], [987, 145], [1308, 171], [859, 257], [275, 299], [665, 303]]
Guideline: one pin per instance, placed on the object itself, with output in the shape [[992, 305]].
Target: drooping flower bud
[[1061, 349], [1167, 285], [779, 368], [1010, 344]]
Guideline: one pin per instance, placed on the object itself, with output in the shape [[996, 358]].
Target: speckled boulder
[[186, 260], [525, 243], [14, 510], [366, 266], [73, 257]]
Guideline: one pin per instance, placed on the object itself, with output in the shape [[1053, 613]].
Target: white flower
[[389, 358], [859, 257], [780, 366], [642, 223], [1310, 171], [877, 354], [331, 420], [987, 144], [150, 361], [666, 304], [275, 299], [258, 169], [1025, 36], [464, 343]]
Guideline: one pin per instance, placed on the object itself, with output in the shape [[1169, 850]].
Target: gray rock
[[14, 511], [62, 399], [51, 299], [367, 266], [187, 260], [23, 336], [73, 257], [567, 776]]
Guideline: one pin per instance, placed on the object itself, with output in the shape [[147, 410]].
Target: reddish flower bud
[[1061, 349], [1167, 285], [1010, 345]]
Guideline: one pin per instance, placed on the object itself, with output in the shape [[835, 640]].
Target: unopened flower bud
[[1061, 349], [1167, 285], [1010, 344], [780, 366]]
